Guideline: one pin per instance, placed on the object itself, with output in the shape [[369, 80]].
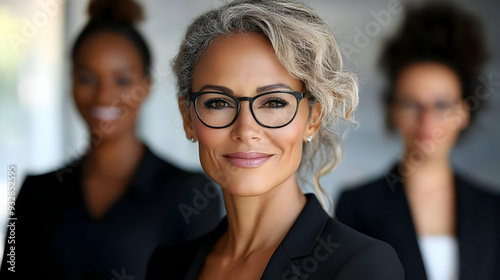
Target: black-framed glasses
[[273, 109], [412, 109]]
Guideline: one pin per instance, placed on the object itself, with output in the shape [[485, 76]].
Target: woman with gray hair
[[261, 87]]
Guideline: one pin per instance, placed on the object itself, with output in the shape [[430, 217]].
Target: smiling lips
[[247, 159], [107, 113]]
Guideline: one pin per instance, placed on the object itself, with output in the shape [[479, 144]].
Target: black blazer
[[380, 209], [316, 247], [57, 239]]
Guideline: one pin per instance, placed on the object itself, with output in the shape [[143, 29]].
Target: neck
[[428, 172], [115, 157], [261, 222]]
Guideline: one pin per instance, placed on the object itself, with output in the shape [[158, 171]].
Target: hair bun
[[127, 11], [437, 31]]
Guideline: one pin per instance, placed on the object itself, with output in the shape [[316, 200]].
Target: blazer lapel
[[393, 224], [403, 235], [478, 232], [279, 266], [299, 241]]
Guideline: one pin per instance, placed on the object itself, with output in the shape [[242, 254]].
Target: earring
[[191, 139], [309, 138]]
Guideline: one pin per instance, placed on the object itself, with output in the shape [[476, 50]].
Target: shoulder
[[477, 201], [381, 186], [366, 197], [471, 188], [40, 201], [49, 183], [359, 256], [378, 187], [321, 247]]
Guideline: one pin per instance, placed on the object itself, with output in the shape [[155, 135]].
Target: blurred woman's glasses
[[413, 109], [271, 109]]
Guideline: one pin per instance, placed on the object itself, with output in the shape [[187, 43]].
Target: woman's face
[[428, 109], [109, 84], [247, 159]]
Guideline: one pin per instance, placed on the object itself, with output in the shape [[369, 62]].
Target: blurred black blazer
[[57, 239], [316, 247], [380, 209]]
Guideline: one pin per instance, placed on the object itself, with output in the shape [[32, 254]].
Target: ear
[[464, 115], [314, 123], [186, 118]]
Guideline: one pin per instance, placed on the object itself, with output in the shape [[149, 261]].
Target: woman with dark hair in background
[[441, 224], [101, 216], [261, 87]]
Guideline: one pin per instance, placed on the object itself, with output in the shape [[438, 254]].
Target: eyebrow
[[273, 87], [80, 67], [217, 88], [261, 89]]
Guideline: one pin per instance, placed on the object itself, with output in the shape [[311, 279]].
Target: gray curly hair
[[305, 46]]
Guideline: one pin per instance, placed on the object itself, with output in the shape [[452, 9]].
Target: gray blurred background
[[40, 129]]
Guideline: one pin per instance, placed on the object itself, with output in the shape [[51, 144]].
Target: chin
[[245, 186], [429, 152], [246, 191]]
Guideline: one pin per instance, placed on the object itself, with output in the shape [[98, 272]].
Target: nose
[[103, 94], [246, 128], [427, 121]]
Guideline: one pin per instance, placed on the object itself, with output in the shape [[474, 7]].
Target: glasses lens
[[216, 110], [275, 109]]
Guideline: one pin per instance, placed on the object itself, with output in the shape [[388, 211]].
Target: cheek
[[83, 100], [82, 94], [209, 140], [407, 130], [208, 137], [133, 95], [129, 100], [448, 132], [289, 140]]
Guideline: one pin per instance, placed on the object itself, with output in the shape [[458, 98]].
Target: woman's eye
[[442, 105], [124, 81], [275, 103], [217, 104], [86, 80], [410, 105]]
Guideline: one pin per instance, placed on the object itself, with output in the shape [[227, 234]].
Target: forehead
[[107, 49], [241, 62], [428, 81]]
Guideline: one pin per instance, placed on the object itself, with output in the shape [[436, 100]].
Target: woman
[[101, 216], [440, 223], [259, 85]]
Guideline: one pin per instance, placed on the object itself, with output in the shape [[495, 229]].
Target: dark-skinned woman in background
[[101, 216], [442, 224]]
